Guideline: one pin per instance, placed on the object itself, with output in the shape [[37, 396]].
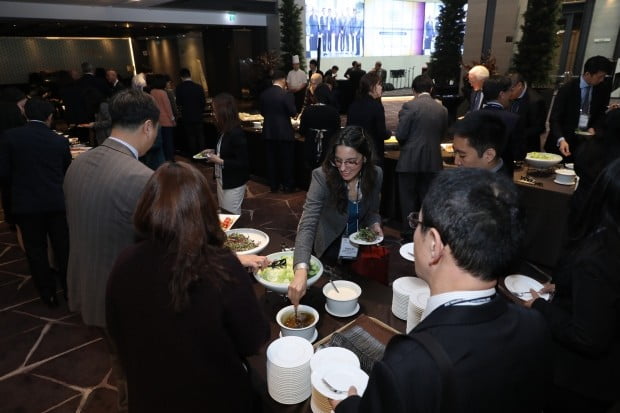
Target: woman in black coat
[[180, 307], [231, 155], [367, 111], [584, 315]]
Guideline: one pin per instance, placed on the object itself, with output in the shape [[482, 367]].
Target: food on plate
[[226, 223], [366, 234], [542, 155], [302, 320], [284, 275], [239, 242]]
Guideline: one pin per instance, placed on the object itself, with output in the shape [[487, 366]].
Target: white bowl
[[344, 302], [548, 160], [258, 236], [282, 288], [305, 332], [566, 176]]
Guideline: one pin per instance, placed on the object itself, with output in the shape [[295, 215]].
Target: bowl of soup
[[302, 325], [343, 301]]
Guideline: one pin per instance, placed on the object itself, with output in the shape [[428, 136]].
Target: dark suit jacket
[[422, 123], [34, 158], [234, 152], [532, 111], [499, 353], [515, 142], [564, 117], [584, 317], [277, 106], [318, 117], [370, 114], [190, 100]]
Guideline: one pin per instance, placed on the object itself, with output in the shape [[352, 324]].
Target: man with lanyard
[[579, 106], [473, 351]]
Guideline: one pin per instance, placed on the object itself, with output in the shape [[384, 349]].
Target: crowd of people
[[139, 253]]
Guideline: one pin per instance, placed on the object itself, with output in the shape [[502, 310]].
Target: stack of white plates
[[288, 369], [329, 358], [417, 304], [402, 288]]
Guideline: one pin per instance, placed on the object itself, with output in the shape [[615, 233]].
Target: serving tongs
[[278, 263]]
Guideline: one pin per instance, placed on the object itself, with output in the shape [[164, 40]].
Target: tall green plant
[[291, 32], [445, 61], [534, 55]]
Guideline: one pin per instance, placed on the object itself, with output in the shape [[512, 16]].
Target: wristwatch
[[300, 266]]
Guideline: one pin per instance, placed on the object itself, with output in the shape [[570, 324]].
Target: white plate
[[352, 313], [255, 235], [340, 376], [290, 351], [406, 251], [332, 355], [230, 223], [408, 285], [360, 242], [518, 283], [564, 183], [420, 299]]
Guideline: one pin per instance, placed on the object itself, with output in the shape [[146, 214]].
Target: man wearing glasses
[[472, 351]]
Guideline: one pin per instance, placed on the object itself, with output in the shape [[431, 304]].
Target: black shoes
[[50, 300]]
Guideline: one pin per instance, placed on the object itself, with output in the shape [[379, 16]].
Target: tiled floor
[[51, 362]]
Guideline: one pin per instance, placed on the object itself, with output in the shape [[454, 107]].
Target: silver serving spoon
[[334, 285]]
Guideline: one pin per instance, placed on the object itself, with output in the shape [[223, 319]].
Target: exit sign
[[231, 17]]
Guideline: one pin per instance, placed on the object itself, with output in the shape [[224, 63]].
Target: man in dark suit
[[115, 84], [313, 29], [496, 90], [422, 123], [476, 77], [531, 109], [479, 139], [277, 107], [191, 102], [579, 104], [35, 160], [473, 351]]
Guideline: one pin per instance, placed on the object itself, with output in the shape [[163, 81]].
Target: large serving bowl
[[307, 331], [344, 301], [542, 160], [282, 288]]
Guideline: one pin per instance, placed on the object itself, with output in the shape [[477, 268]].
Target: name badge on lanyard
[[584, 118], [348, 251]]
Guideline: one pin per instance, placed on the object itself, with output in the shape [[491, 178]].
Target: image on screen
[[395, 29], [337, 25]]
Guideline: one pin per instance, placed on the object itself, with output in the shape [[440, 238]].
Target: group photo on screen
[[343, 28], [337, 25]]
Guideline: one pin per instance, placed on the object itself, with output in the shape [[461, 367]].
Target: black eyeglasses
[[414, 220]]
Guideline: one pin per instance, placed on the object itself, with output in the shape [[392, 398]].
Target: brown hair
[[226, 113], [368, 83], [177, 209]]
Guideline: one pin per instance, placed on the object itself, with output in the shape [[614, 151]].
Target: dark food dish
[[366, 234], [302, 320], [240, 242]]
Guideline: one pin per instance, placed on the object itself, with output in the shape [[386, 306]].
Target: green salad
[[284, 275], [542, 155]]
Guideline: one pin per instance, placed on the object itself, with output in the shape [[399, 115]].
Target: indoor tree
[[444, 65], [534, 55], [291, 33]]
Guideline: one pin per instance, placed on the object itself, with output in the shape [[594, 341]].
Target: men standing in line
[[496, 91], [277, 107], [191, 102], [35, 160], [479, 140], [102, 188], [473, 351], [579, 104], [297, 82], [422, 123], [531, 109], [313, 29], [476, 76]]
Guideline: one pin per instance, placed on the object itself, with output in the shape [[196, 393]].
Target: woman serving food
[[343, 198]]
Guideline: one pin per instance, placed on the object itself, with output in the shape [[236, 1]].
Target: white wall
[[604, 29]]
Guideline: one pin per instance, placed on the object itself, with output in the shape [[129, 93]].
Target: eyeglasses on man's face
[[414, 220], [348, 163]]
